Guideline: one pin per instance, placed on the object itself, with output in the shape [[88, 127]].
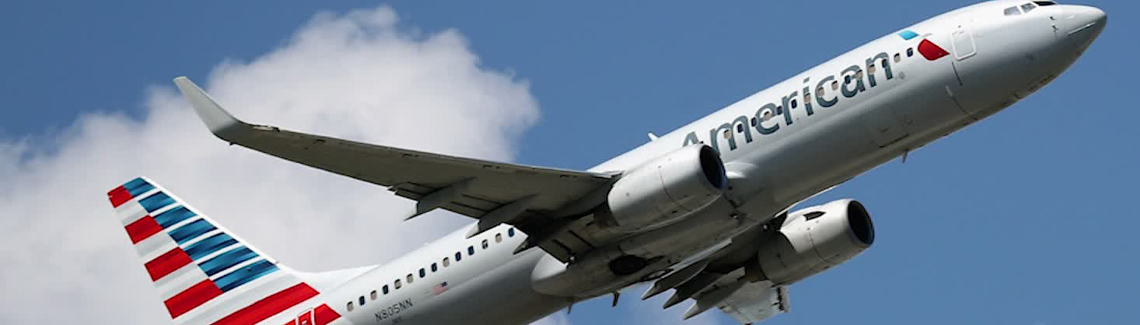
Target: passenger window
[[793, 103], [909, 52], [818, 92], [458, 256], [884, 64], [349, 306], [1012, 11], [498, 238], [384, 289], [434, 267], [859, 75], [398, 284], [486, 243], [374, 295], [767, 115], [410, 278], [739, 127], [470, 250], [446, 262], [846, 79], [871, 69], [898, 58], [753, 121], [779, 110], [1028, 7], [361, 300], [834, 85], [423, 273], [727, 135], [511, 232], [807, 98]]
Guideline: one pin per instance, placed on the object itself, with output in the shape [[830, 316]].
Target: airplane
[[705, 211]]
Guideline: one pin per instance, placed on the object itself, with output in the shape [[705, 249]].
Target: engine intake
[[666, 189], [815, 239]]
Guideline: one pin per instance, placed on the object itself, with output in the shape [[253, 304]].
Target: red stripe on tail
[[142, 229], [272, 305], [322, 315], [192, 298], [118, 196], [325, 315], [166, 263]]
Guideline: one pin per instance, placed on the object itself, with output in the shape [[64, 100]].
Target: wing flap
[[756, 302]]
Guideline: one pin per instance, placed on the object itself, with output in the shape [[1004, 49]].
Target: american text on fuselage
[[853, 83]]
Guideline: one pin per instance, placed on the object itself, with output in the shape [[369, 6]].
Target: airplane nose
[[1083, 23]]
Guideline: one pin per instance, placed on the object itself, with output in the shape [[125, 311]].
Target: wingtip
[[216, 118]]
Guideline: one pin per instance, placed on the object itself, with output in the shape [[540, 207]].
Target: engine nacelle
[[666, 189], [815, 239]]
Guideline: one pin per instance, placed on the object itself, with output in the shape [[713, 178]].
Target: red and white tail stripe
[[204, 273]]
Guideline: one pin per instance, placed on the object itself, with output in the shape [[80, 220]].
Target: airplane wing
[[543, 202]]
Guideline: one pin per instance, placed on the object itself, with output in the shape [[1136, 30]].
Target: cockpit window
[[1012, 11], [1028, 7], [1045, 3]]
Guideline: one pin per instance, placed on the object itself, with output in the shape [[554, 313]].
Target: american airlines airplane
[[705, 211]]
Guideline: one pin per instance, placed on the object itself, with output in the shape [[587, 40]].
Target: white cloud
[[65, 259]]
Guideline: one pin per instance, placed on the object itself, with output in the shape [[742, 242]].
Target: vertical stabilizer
[[203, 272]]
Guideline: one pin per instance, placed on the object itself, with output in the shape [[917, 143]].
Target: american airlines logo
[[848, 83], [928, 49]]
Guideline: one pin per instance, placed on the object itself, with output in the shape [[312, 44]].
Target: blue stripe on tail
[[173, 216], [209, 246], [245, 275], [138, 186], [156, 201], [227, 260], [191, 230]]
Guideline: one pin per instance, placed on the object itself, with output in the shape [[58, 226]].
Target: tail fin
[[205, 274]]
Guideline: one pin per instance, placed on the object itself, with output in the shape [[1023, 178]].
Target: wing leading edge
[[537, 200]]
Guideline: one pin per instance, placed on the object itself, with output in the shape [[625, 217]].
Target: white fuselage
[[991, 61]]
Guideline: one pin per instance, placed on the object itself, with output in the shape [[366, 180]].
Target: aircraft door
[[968, 90], [964, 46]]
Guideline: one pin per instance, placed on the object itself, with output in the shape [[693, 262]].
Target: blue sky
[[1024, 218]]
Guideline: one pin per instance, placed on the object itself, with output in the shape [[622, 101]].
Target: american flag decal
[[439, 288]]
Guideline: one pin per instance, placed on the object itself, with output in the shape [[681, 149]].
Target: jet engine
[[666, 189], [815, 239]]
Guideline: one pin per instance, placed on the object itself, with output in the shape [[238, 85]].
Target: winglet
[[220, 122]]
